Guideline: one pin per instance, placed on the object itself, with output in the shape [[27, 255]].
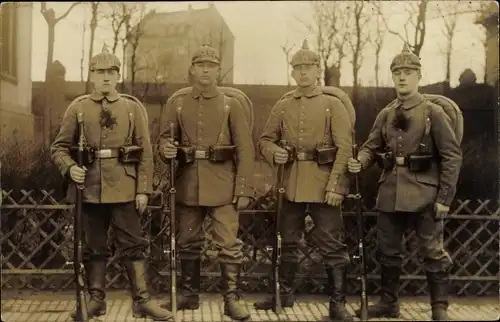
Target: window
[[8, 40]]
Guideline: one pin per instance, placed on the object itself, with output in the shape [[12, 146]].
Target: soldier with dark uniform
[[117, 179], [416, 187], [316, 127], [213, 133]]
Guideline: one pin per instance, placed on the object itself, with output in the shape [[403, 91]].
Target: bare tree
[[133, 32], [331, 22], [117, 14], [450, 12], [50, 18], [377, 41], [357, 41], [82, 58], [417, 18], [94, 5], [286, 50]]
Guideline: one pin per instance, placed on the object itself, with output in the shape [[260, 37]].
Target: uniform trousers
[[390, 229], [125, 221], [328, 232], [224, 229]]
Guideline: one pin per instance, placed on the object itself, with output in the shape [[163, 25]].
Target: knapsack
[[232, 92], [337, 93], [450, 108]]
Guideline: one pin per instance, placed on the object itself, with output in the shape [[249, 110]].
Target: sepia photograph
[[216, 161]]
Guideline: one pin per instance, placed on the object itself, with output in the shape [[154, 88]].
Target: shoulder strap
[[178, 110], [328, 124], [226, 107], [79, 118]]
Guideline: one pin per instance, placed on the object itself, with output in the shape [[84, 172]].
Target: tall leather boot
[[337, 282], [230, 279], [287, 283], [438, 289], [95, 272], [142, 305], [188, 297], [388, 306]]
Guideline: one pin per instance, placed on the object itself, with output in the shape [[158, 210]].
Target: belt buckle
[[400, 161], [106, 153], [199, 154], [301, 156]]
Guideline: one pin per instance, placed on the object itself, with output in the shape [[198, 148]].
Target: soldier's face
[[406, 80], [205, 73], [305, 75], [105, 80]]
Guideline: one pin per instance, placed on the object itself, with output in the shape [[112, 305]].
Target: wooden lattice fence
[[36, 243]]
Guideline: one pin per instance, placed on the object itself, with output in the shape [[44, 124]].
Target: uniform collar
[[111, 96], [411, 101], [299, 92], [208, 92]]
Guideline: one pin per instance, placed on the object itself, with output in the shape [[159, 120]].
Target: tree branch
[[67, 12]]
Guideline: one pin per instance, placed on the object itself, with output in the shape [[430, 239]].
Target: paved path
[[50, 307]]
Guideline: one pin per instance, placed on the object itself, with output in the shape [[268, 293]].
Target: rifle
[[173, 260], [361, 236], [81, 303], [277, 246]]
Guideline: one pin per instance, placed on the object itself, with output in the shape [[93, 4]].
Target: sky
[[259, 58]]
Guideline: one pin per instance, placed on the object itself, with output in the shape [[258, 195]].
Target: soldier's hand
[[170, 150], [440, 210], [141, 202], [280, 156], [77, 174], [334, 199], [353, 165], [241, 202]]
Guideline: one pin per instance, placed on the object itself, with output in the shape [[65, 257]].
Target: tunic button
[[400, 138]]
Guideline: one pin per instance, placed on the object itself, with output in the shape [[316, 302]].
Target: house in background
[[489, 19], [168, 40], [16, 117]]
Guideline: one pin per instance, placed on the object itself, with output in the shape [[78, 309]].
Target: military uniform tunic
[[401, 190], [202, 182], [107, 180], [304, 120]]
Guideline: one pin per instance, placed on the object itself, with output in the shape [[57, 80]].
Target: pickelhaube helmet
[[304, 56], [205, 53], [104, 60], [405, 59]]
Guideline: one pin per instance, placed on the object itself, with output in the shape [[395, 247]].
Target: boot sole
[[96, 315], [143, 316]]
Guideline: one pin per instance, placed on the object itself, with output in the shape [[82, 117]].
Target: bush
[[26, 165]]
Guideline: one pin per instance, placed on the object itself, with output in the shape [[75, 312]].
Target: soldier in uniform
[[312, 123], [117, 179], [211, 132], [416, 187]]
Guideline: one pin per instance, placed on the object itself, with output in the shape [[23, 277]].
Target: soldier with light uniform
[[213, 144], [117, 179], [417, 186], [317, 131]]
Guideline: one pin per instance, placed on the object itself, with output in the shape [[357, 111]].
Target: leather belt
[[107, 153], [305, 156]]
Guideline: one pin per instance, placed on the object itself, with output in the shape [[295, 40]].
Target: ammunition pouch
[[88, 154], [130, 154], [385, 160], [186, 154], [326, 155], [419, 162], [221, 153], [292, 152]]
